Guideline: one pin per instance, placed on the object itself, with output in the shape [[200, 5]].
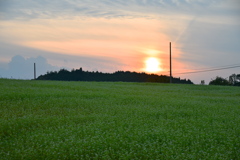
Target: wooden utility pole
[[34, 70], [170, 63]]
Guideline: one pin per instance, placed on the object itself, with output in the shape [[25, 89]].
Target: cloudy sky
[[111, 35]]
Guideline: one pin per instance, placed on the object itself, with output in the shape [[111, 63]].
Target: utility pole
[[170, 47], [34, 70]]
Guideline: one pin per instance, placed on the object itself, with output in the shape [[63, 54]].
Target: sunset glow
[[112, 35]]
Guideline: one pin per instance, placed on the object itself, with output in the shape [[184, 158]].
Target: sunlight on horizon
[[152, 65], [123, 43]]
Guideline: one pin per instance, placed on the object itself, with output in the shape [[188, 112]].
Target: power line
[[209, 70]]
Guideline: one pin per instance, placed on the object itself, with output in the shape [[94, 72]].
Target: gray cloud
[[31, 9], [20, 67], [211, 44]]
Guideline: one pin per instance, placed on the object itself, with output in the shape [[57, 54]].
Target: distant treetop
[[124, 76]]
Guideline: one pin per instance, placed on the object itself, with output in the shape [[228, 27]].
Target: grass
[[99, 120]]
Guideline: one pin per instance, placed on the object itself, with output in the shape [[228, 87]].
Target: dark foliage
[[237, 84], [124, 76], [219, 81]]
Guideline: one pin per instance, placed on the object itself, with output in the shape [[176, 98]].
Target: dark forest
[[118, 76]]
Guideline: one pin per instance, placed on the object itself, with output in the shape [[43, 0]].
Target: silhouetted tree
[[219, 81], [124, 76], [237, 83]]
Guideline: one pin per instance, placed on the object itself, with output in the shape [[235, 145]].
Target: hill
[[123, 76]]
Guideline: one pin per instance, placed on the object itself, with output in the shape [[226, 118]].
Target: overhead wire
[[209, 70]]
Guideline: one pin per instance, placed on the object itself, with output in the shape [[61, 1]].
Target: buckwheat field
[[116, 120]]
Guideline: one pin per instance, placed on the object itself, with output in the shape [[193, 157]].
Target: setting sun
[[152, 65]]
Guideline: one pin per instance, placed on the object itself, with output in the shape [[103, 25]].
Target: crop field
[[116, 120]]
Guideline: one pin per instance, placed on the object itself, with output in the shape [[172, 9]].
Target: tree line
[[234, 80], [124, 76]]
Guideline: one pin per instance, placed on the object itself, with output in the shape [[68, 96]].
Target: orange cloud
[[130, 41]]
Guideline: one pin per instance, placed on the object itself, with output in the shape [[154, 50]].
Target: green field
[[104, 120]]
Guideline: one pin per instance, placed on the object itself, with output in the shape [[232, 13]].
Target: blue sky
[[111, 35]]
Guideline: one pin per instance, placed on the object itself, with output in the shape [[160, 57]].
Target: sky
[[113, 35]]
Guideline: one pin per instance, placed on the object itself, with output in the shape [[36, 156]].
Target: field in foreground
[[97, 120]]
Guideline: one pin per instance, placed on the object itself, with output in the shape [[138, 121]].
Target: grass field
[[99, 120]]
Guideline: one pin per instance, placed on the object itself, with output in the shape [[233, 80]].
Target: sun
[[152, 65]]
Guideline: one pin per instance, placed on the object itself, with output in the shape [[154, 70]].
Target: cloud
[[32, 9], [22, 68], [206, 32], [211, 44]]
